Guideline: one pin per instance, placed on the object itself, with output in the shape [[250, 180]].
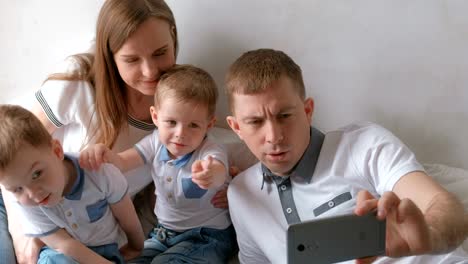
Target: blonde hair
[[117, 20], [188, 83], [255, 70], [17, 128]]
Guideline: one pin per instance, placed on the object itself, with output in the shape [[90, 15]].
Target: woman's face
[[146, 54]]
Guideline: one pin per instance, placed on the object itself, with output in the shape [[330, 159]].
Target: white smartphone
[[335, 239]]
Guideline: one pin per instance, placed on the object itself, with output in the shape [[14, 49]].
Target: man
[[304, 174]]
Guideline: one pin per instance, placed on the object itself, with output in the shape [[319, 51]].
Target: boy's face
[[275, 124], [182, 125], [36, 176]]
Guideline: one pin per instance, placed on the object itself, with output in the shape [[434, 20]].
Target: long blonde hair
[[117, 20]]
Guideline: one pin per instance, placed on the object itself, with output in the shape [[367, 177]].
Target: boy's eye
[[193, 125], [171, 122], [17, 190], [36, 174]]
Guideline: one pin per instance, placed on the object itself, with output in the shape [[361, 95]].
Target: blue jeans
[[7, 252], [198, 245], [109, 252]]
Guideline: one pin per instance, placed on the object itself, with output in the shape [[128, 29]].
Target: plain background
[[400, 63]]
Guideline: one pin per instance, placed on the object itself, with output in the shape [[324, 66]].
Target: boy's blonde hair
[[188, 83], [255, 70], [19, 127]]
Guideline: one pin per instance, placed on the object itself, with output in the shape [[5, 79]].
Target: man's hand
[[407, 230]]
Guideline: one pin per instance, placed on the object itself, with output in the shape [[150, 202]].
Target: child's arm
[[62, 242], [125, 213], [209, 173], [93, 156]]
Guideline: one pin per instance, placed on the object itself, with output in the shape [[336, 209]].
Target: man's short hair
[[188, 83], [255, 70], [19, 127]]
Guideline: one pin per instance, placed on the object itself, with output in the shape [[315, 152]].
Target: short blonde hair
[[188, 83], [19, 127], [257, 69]]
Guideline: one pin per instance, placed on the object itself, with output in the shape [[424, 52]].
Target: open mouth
[[277, 156], [45, 201]]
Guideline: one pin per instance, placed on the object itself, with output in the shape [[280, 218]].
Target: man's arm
[[443, 212], [62, 242], [422, 217], [125, 213]]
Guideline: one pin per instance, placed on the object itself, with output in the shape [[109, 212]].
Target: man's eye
[[193, 125], [285, 115]]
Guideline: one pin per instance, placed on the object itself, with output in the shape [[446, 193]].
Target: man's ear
[[154, 115], [57, 149], [309, 108], [234, 125]]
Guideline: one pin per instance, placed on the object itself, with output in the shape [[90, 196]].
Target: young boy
[[188, 169], [76, 213], [304, 174]]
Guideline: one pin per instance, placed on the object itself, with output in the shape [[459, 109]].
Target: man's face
[[275, 124]]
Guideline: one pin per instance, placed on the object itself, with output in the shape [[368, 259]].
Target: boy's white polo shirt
[[356, 157], [181, 204], [84, 212]]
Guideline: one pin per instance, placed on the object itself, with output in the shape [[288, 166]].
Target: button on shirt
[[85, 211]]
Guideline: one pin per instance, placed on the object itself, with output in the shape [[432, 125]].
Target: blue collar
[[179, 162], [77, 189], [306, 166]]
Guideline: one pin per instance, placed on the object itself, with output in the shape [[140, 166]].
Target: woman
[[105, 96]]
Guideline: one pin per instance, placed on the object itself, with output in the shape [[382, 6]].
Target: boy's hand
[[129, 252], [202, 173], [93, 156]]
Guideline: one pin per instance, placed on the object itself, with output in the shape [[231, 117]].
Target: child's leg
[[50, 256], [110, 252], [154, 246], [6, 245], [200, 245]]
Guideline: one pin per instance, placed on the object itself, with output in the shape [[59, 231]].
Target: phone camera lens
[[301, 247]]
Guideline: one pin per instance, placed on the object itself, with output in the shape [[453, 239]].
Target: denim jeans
[[109, 252], [7, 252], [198, 245]]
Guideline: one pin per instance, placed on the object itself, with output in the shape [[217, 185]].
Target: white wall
[[401, 63]]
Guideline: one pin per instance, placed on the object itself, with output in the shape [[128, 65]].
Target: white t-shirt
[[353, 158], [181, 204], [84, 212], [69, 105]]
